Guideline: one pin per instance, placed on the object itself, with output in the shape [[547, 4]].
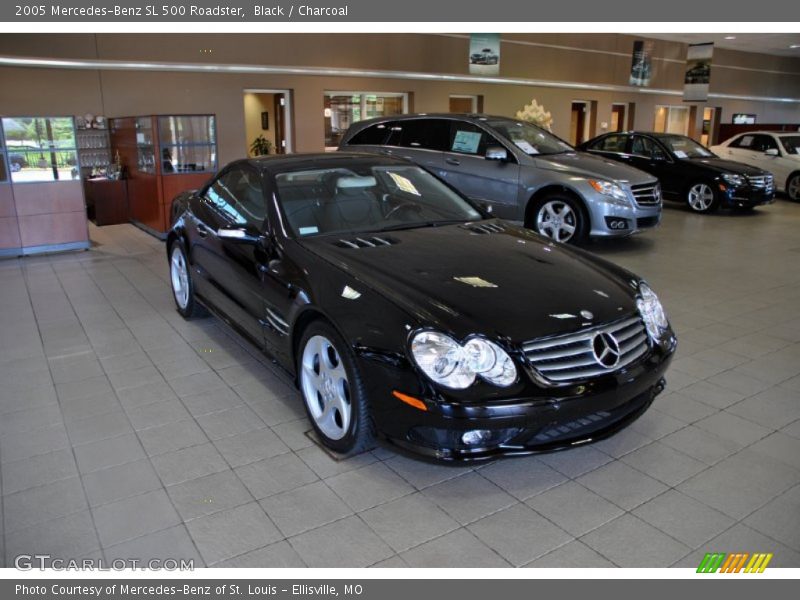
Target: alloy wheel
[[557, 220], [793, 189], [326, 388], [701, 197], [179, 276]]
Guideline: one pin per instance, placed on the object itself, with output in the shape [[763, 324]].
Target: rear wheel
[[560, 218], [702, 198], [793, 187], [333, 391], [181, 280]]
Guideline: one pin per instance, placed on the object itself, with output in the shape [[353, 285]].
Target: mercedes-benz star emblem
[[606, 350]]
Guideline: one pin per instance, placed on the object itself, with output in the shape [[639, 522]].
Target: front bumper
[[745, 195], [610, 219], [537, 420]]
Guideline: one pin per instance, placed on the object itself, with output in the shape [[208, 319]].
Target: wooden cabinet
[[107, 201]]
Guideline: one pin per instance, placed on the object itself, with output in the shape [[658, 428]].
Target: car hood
[[721, 165], [511, 284], [584, 164]]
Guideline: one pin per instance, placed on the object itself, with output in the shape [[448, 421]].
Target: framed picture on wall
[[264, 120]]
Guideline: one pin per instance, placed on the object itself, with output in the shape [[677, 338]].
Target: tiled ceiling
[[764, 43]]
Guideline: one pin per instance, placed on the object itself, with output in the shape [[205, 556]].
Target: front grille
[[569, 358], [762, 182], [647, 194]]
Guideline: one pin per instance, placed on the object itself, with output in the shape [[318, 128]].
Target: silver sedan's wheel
[[326, 388], [557, 220], [793, 187], [701, 197], [179, 275]]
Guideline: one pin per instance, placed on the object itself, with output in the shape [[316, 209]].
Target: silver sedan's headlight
[[655, 320], [456, 366], [608, 188]]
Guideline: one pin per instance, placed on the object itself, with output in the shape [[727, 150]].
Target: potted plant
[[261, 146]]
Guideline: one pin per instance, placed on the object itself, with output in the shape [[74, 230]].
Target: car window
[[685, 147], [762, 143], [529, 138], [612, 143], [466, 138], [375, 135], [745, 142], [236, 198], [791, 143], [426, 134], [642, 146]]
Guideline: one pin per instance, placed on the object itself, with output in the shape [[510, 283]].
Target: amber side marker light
[[410, 400]]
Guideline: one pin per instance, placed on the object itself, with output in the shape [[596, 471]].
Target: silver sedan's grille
[[574, 357], [647, 194]]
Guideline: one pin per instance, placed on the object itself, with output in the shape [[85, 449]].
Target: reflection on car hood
[[721, 165], [512, 284], [584, 164]]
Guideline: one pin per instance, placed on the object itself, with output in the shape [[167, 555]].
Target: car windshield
[[791, 143], [529, 138], [684, 147], [367, 198]]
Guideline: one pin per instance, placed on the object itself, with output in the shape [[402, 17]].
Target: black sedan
[[407, 315], [688, 171]]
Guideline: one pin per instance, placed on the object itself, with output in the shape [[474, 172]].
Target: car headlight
[[655, 320], [456, 366], [607, 188], [733, 179]]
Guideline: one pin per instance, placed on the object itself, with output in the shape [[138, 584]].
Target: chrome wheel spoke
[[325, 387]]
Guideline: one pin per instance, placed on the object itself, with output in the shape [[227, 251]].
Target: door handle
[[452, 161], [202, 230]]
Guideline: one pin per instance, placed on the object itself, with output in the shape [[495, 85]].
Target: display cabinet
[[163, 156], [94, 150]]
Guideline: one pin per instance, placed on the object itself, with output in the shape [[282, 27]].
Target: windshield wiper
[[422, 224]]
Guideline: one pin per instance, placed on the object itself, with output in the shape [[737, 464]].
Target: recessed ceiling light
[[730, 37]]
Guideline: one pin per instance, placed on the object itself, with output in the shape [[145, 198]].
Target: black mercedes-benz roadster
[[409, 315]]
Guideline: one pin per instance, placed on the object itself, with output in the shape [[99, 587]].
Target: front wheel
[[333, 391], [560, 218], [793, 187], [702, 198]]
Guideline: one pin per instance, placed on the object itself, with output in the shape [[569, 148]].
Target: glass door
[[672, 119]]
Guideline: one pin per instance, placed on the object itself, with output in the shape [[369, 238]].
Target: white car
[[775, 151]]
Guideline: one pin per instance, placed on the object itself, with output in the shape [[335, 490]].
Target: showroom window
[[188, 144], [41, 148], [342, 109], [672, 119]]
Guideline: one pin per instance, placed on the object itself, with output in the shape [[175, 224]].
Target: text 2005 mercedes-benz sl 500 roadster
[[410, 316]]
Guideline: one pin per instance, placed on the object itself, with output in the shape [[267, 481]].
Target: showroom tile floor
[[126, 432]]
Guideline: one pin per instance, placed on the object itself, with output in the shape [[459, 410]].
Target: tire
[[702, 197], [793, 187], [16, 167], [333, 391], [180, 278], [561, 218]]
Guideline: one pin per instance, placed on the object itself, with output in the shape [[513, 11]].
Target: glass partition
[[3, 164], [146, 160], [188, 144], [41, 148]]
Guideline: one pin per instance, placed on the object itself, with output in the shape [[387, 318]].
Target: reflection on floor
[[128, 432]]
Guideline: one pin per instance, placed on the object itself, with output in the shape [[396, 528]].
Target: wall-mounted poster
[[698, 72], [484, 54], [641, 63], [743, 119]]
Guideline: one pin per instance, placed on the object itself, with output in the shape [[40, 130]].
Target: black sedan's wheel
[[793, 187], [702, 198], [333, 391], [181, 280], [560, 218]]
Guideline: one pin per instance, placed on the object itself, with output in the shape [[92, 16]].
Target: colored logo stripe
[[734, 563], [711, 562], [758, 563]]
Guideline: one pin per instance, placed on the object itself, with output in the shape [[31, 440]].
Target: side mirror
[[237, 234], [772, 152], [496, 153]]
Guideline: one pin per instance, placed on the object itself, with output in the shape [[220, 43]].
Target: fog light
[[475, 437], [616, 223]]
